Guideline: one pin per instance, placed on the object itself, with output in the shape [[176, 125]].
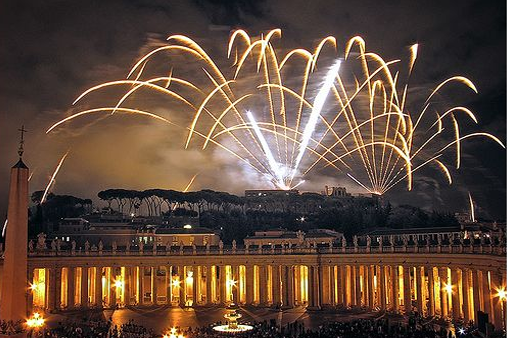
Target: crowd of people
[[363, 328]]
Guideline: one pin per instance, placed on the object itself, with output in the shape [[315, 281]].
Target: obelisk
[[15, 284]]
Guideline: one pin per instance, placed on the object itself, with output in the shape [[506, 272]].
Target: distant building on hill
[[270, 193]]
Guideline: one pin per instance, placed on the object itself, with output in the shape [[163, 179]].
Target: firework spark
[[362, 121]]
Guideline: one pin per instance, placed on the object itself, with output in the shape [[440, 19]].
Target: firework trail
[[190, 183], [52, 180], [285, 114]]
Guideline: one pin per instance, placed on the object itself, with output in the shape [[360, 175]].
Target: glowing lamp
[[36, 321], [118, 284], [502, 294], [448, 288]]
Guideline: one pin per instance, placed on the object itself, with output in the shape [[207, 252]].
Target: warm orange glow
[[36, 321], [448, 288], [176, 283], [502, 294], [118, 284]]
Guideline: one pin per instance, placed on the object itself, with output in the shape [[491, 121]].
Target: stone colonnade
[[446, 290]]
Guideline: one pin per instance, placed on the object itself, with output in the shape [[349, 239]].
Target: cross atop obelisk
[[21, 140]]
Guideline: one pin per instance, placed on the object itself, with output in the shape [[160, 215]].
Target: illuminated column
[[396, 288], [340, 279], [419, 274], [383, 287], [70, 287], [126, 285], [455, 294], [465, 286], [98, 286], [442, 273], [277, 297], [407, 297], [431, 292], [263, 285], [209, 299], [390, 283], [84, 286], [182, 286], [195, 286], [154, 289], [476, 293], [169, 285], [371, 293], [112, 287], [357, 282], [141, 285], [332, 285], [352, 285], [235, 286], [497, 302], [486, 294], [250, 280]]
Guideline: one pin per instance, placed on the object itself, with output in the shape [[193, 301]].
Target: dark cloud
[[51, 51]]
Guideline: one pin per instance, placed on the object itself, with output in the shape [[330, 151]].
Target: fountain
[[232, 326]]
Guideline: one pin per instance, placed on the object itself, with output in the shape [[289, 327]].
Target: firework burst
[[286, 113]]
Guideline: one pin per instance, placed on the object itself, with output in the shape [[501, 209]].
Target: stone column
[[126, 285], [419, 272], [357, 281], [396, 288], [154, 287], [431, 292], [84, 286], [112, 287], [486, 294], [209, 299], [313, 288], [52, 289], [476, 293], [383, 291], [442, 272], [341, 285], [371, 291], [465, 286], [222, 284], [407, 297], [332, 285], [183, 294], [263, 285], [392, 295], [455, 294], [169, 286], [277, 297], [195, 286], [141, 285], [287, 287], [250, 284], [98, 286], [496, 284], [70, 287], [29, 298]]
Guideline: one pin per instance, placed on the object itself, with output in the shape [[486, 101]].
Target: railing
[[320, 249]]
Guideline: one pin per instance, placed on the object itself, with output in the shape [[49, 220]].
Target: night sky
[[51, 51]]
